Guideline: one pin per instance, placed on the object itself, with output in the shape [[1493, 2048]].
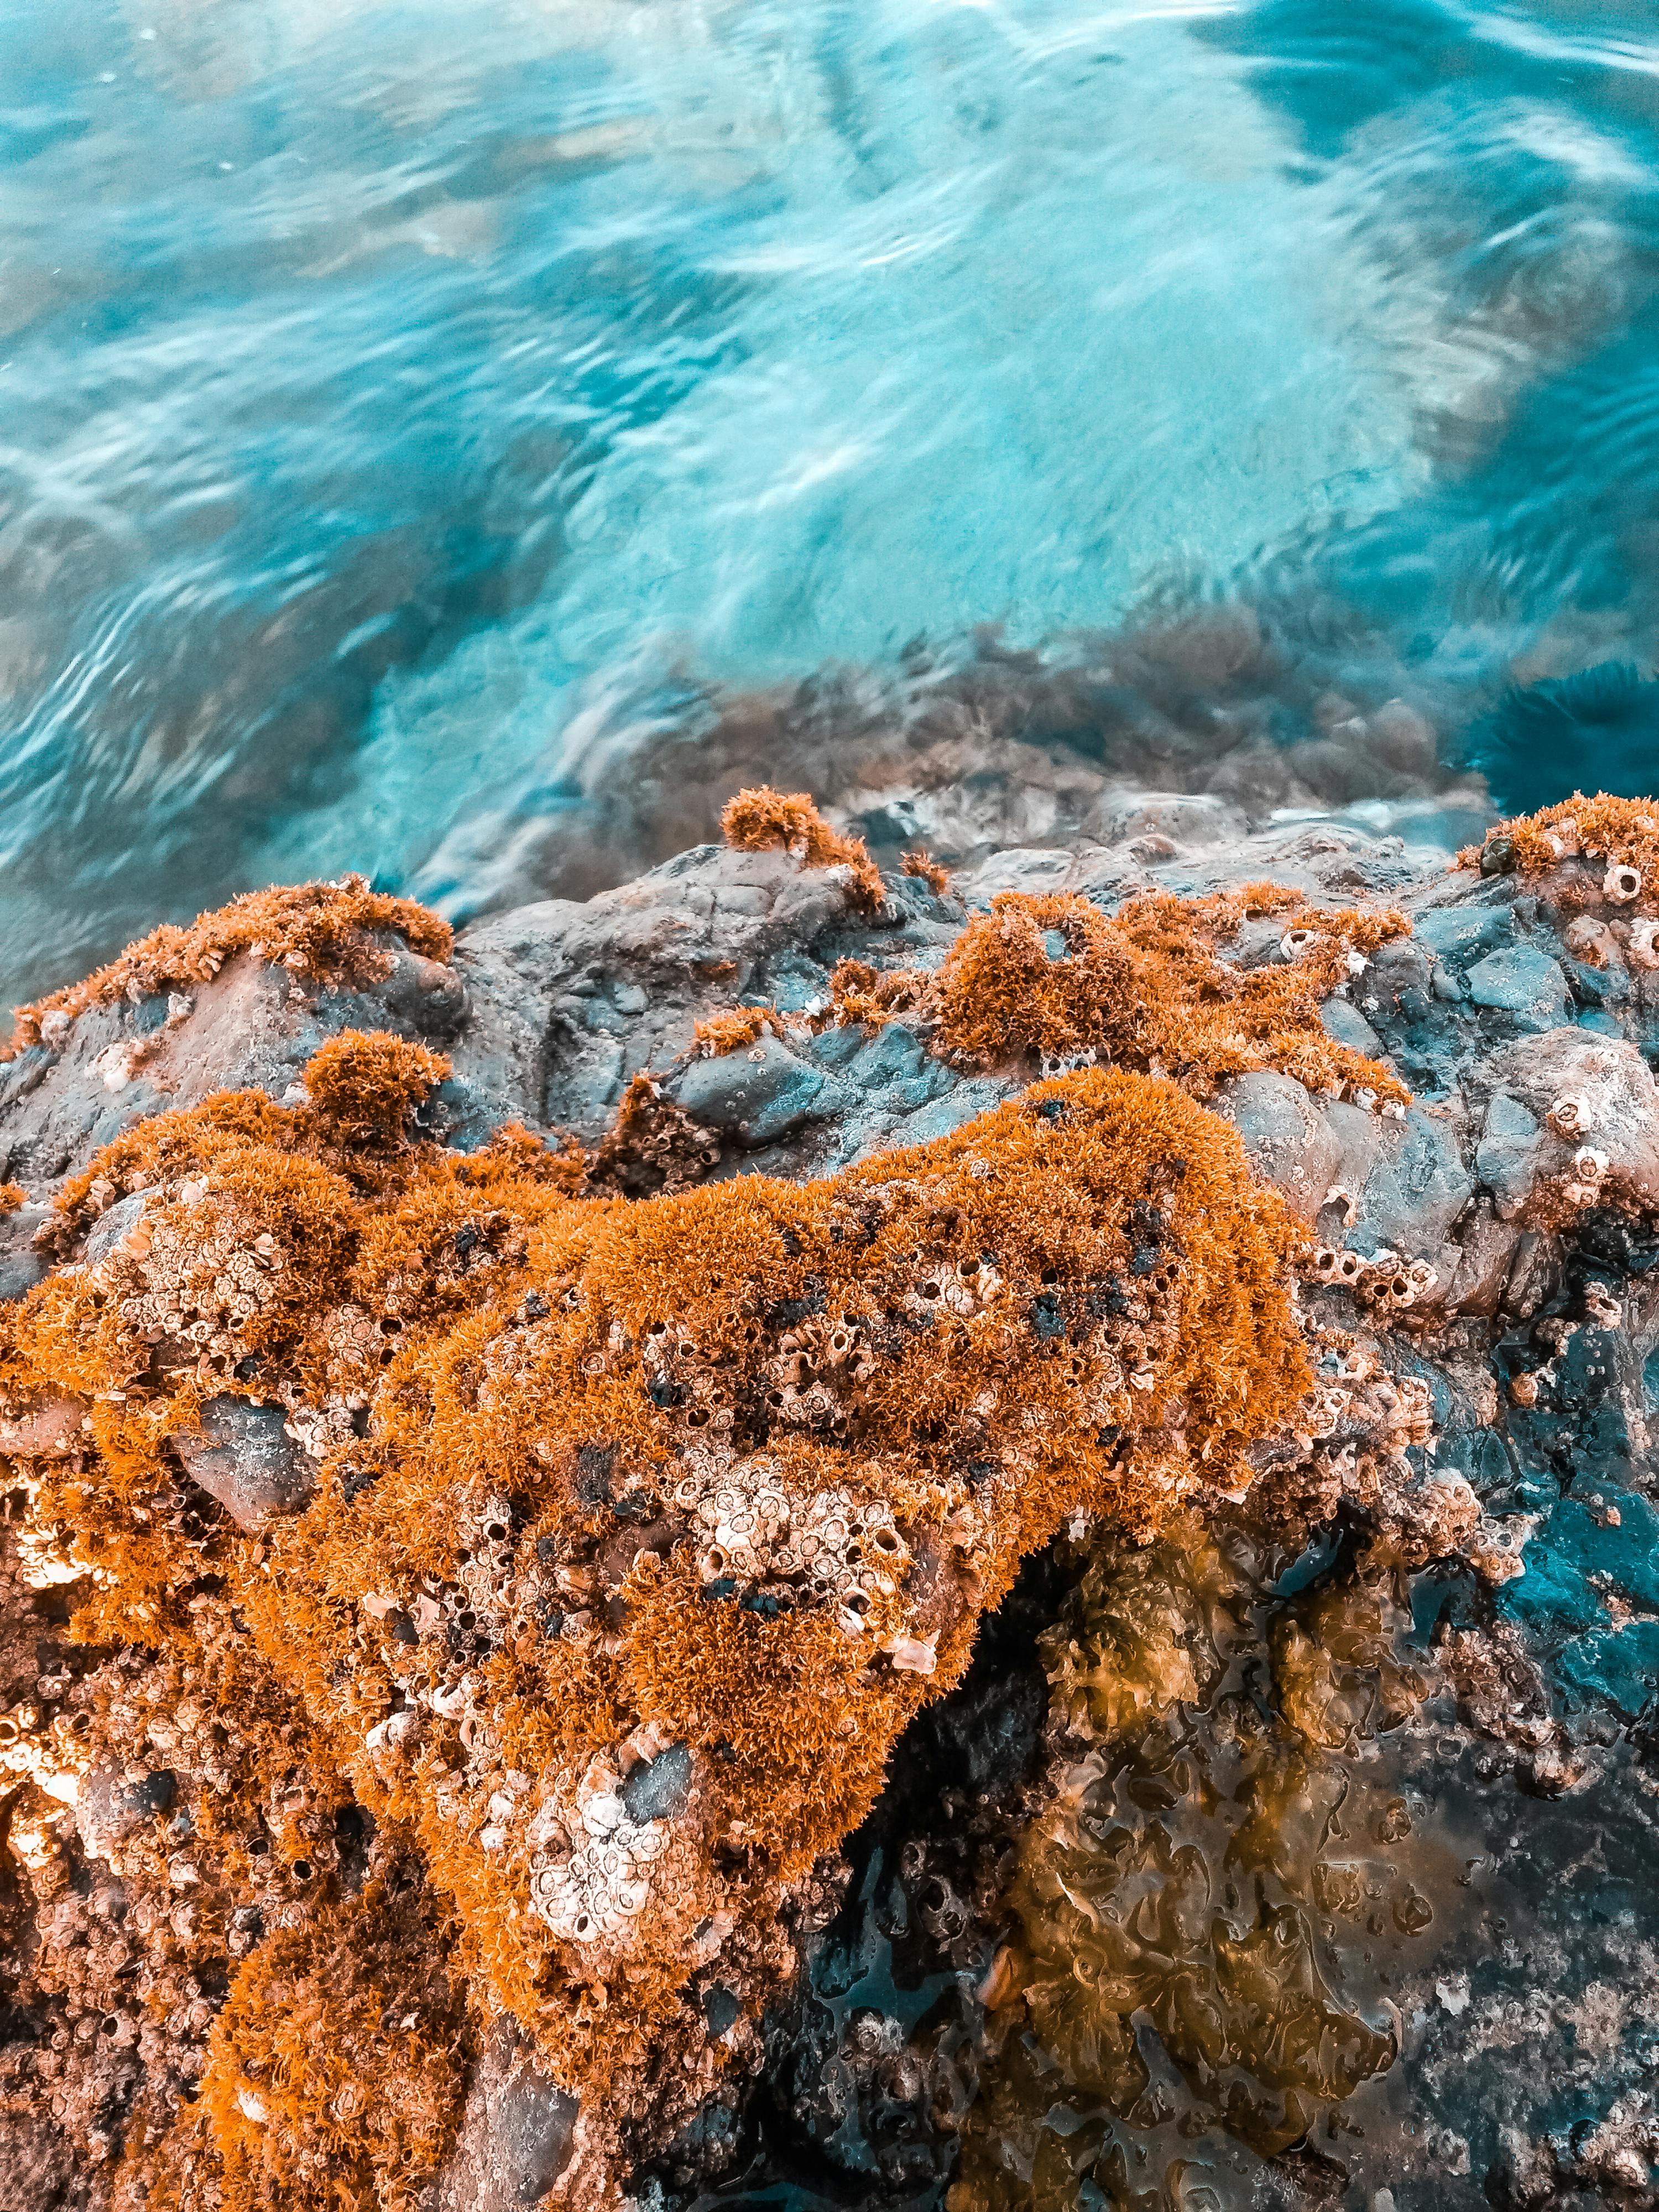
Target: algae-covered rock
[[507, 1564]]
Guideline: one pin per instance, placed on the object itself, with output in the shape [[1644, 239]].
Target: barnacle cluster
[[320, 932], [630, 1536], [1383, 1277], [653, 1147], [1208, 1913], [1053, 980]]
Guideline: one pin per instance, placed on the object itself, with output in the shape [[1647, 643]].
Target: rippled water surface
[[411, 415]]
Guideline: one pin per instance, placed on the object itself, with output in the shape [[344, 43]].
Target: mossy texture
[[1052, 980], [636, 1532], [760, 820], [320, 932], [1609, 847]]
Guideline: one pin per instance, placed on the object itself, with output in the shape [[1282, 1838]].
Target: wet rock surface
[[244, 1456], [1445, 1907]]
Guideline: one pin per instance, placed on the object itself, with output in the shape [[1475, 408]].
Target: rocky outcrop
[[1479, 1290]]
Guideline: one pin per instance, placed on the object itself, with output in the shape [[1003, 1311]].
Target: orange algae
[[320, 932], [1055, 979], [928, 870], [1616, 834], [336, 2067], [722, 1479], [760, 820], [12, 1195], [734, 1029]]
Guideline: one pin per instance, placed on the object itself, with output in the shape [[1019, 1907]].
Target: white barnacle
[[1622, 883], [1570, 1116]]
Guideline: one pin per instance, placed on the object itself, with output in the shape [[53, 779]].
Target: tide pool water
[[410, 415]]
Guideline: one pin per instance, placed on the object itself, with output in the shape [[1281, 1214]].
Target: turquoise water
[[417, 422]]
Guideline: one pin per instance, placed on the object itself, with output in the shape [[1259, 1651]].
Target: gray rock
[[1507, 1157], [1485, 1254], [1288, 1144], [661, 1787], [111, 1226], [244, 1456], [1195, 819], [423, 994], [952, 1112], [1520, 982], [1344, 1024], [22, 1266], [250, 1027], [1458, 932], [515, 2133], [757, 1095], [896, 1063], [47, 1431], [1417, 1189], [1616, 1100]]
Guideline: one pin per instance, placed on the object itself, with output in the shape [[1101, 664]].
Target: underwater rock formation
[[522, 1451]]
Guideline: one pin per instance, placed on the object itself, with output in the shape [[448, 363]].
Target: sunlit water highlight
[[405, 412]]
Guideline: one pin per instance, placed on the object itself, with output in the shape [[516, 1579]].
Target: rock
[[1344, 1024], [1486, 1251], [660, 1786], [46, 1431], [1459, 932], [515, 2135], [1506, 1159], [1288, 1143], [21, 1266], [111, 1226], [1521, 982], [1185, 819], [1416, 1188], [244, 1456], [249, 1027], [1585, 1094], [757, 1095]]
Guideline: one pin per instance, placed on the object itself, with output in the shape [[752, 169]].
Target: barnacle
[[652, 1146], [322, 933]]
